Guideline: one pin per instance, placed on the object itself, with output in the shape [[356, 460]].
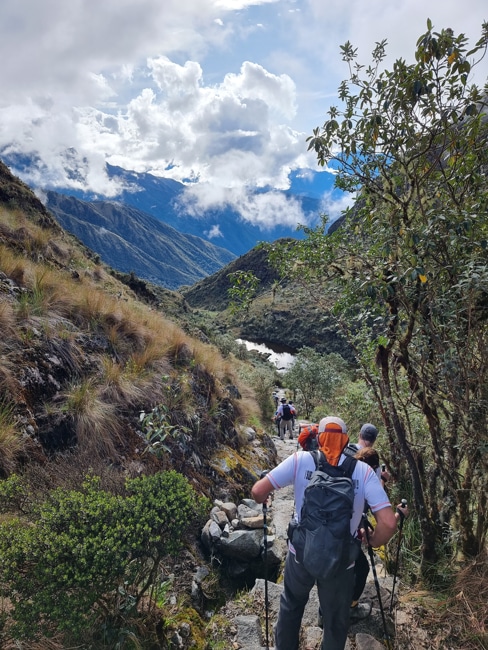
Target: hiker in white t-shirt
[[335, 595]]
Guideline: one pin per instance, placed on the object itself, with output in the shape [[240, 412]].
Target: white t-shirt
[[297, 470]]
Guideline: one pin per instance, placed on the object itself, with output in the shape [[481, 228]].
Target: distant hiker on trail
[[276, 399], [285, 414], [335, 593], [294, 414], [307, 436], [367, 438]]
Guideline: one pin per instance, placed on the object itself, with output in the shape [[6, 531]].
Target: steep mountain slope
[[98, 387], [212, 292], [164, 199], [82, 356], [133, 241]]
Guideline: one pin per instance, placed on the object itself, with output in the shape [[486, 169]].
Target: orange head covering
[[332, 438]]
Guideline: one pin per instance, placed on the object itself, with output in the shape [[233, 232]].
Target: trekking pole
[[376, 583], [265, 542], [402, 517]]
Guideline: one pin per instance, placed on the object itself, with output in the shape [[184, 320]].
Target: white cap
[[332, 420]]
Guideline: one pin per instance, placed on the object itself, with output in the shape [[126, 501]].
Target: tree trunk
[[427, 526]]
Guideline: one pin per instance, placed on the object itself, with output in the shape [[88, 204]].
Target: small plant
[[243, 288], [157, 428], [13, 495]]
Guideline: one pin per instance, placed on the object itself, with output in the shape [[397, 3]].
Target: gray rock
[[250, 503], [253, 522], [242, 544], [367, 642], [248, 631], [185, 630], [211, 534], [220, 518], [201, 573], [230, 510], [244, 512]]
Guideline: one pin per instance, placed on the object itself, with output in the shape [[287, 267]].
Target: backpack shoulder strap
[[349, 465], [321, 462], [317, 457]]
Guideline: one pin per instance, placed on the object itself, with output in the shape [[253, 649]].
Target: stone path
[[368, 634]]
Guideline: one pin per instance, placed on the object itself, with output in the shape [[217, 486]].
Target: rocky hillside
[[84, 353]]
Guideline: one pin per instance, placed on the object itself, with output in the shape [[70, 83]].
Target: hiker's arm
[[386, 525], [261, 490]]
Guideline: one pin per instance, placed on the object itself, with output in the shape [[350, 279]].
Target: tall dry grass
[[96, 422], [11, 442], [143, 358]]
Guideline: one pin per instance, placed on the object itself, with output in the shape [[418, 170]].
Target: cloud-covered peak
[[223, 92]]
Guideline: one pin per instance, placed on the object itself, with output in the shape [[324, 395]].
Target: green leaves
[[156, 428], [243, 288], [88, 551], [314, 377], [409, 265]]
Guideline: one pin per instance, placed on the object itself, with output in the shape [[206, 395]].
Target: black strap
[[349, 465], [345, 469]]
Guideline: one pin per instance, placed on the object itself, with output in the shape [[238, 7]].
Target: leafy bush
[[156, 428], [88, 556]]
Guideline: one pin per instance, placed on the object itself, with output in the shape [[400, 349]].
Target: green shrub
[[13, 494], [87, 557]]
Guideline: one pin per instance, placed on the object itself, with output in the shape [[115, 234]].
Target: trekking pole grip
[[400, 512]]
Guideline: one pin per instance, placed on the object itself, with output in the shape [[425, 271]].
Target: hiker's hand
[[402, 510], [262, 488], [385, 476], [364, 534]]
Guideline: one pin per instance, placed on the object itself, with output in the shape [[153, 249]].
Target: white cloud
[[220, 91], [213, 232], [333, 204], [266, 210], [235, 5]]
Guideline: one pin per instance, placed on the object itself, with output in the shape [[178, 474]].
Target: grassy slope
[[85, 350]]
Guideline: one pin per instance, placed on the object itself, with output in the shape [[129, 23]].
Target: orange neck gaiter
[[332, 441]]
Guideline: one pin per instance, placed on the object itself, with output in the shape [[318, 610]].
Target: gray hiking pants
[[286, 426], [335, 600]]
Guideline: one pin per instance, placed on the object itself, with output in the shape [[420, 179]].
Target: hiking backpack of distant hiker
[[307, 437], [322, 538], [286, 412], [351, 449]]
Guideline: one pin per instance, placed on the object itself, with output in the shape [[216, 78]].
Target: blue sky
[[223, 92]]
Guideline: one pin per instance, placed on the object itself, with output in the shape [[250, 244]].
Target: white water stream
[[282, 360]]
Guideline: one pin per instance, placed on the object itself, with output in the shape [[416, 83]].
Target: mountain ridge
[[165, 199], [132, 241]]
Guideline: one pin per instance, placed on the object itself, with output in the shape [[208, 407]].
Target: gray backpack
[[322, 539]]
